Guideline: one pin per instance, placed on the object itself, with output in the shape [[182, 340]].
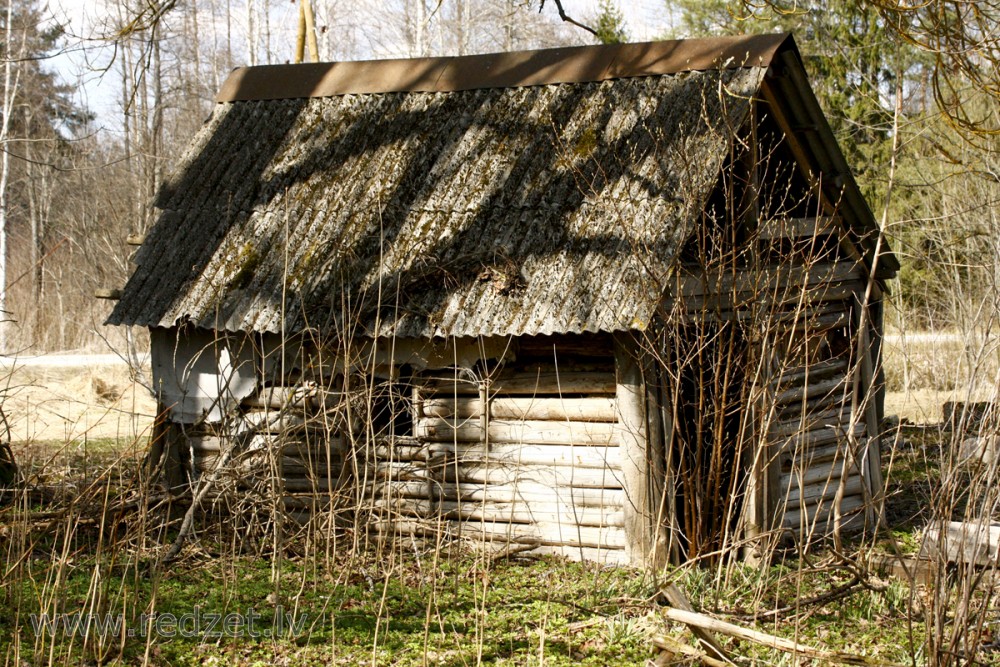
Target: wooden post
[[166, 460], [656, 470], [630, 402], [872, 470]]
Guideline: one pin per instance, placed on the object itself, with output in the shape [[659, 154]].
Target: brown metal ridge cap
[[575, 64]]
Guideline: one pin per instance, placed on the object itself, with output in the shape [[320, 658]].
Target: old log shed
[[620, 303]]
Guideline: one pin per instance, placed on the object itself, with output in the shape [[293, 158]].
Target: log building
[[620, 303]]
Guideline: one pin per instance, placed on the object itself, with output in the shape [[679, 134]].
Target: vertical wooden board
[[873, 465], [656, 471], [630, 395]]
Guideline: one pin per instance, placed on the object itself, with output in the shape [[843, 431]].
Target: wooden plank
[[963, 542], [834, 387], [522, 491], [766, 280], [819, 370], [589, 456], [872, 461], [438, 429], [588, 409], [519, 512], [809, 296], [814, 406], [810, 421], [824, 490], [819, 472], [821, 517], [589, 554], [815, 445]]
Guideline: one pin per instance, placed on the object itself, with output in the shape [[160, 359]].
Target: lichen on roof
[[539, 209]]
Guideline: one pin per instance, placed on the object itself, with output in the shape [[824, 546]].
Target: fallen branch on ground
[[695, 620]]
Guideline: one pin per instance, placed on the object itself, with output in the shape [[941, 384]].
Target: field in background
[[73, 397], [925, 370]]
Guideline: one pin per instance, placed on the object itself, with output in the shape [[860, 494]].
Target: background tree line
[[912, 94]]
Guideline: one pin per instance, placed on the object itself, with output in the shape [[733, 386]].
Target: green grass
[[409, 607], [452, 612]]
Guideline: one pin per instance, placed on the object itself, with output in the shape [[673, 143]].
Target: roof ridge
[[574, 64]]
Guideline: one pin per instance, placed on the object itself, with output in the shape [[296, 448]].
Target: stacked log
[[527, 457], [811, 479], [286, 432]]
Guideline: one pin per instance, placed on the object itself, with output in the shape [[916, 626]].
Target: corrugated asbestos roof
[[554, 208], [526, 206]]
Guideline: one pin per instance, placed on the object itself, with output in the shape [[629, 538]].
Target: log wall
[[815, 467], [527, 453]]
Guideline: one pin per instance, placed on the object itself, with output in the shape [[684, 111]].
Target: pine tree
[[610, 23]]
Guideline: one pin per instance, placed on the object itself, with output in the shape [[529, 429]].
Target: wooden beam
[[797, 228]]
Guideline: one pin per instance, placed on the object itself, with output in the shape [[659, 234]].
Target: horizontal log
[[825, 490], [533, 384], [809, 443], [589, 409], [819, 370], [814, 317], [502, 493], [284, 397], [812, 475], [437, 429], [821, 516], [815, 406], [496, 473], [824, 455], [811, 421], [316, 448], [808, 296], [581, 456], [810, 324], [589, 554], [496, 531], [522, 513], [835, 388]]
